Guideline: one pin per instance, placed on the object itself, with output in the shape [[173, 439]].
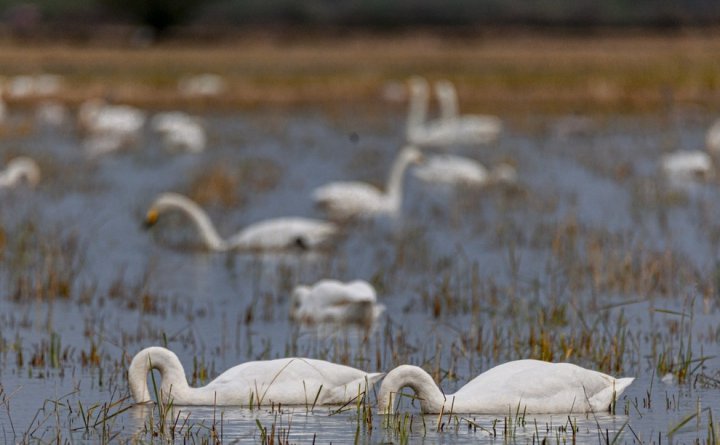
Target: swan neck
[[415, 378], [172, 375], [449, 108], [201, 220], [417, 111], [394, 185]]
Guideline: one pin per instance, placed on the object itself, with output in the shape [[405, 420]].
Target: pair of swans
[[20, 169], [533, 386], [109, 127], [336, 302], [180, 131], [348, 200], [272, 234], [457, 170], [452, 128]]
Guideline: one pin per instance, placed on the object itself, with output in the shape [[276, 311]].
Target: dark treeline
[[164, 15]]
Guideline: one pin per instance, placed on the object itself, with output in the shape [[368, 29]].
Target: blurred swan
[[455, 170], [32, 86], [712, 138], [272, 234], [51, 114], [533, 386], [180, 131], [344, 200], [287, 381], [335, 301], [18, 169], [443, 132], [687, 165], [473, 128], [202, 85], [109, 127]]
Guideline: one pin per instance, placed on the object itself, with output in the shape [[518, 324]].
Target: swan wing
[[687, 163], [347, 199], [282, 233], [333, 292], [451, 170]]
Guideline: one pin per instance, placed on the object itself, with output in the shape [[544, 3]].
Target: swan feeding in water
[[345, 200], [19, 169], [272, 234], [449, 129], [335, 301], [180, 131], [687, 165], [456, 170], [287, 381], [532, 386]]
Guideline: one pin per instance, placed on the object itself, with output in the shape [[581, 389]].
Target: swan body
[[18, 169], [345, 200], [180, 131], [455, 170], [469, 128], [287, 381], [712, 138], [272, 234], [202, 85], [533, 386], [450, 128], [109, 127], [335, 301], [684, 165]]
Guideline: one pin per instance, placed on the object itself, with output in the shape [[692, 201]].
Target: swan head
[[25, 168], [164, 202], [418, 86], [412, 155], [444, 88], [151, 218]]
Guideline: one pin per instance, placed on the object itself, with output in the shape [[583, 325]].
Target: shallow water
[[590, 258]]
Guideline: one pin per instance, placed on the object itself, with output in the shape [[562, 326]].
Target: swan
[[109, 127], [441, 132], [180, 131], [18, 169], [287, 381], [474, 128], [335, 301], [344, 200], [712, 138], [687, 165], [272, 234], [533, 386], [455, 170]]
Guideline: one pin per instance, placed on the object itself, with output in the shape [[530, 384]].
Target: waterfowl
[[532, 386], [687, 165], [19, 169], [180, 131], [470, 128], [712, 137], [344, 200], [287, 381], [109, 127], [335, 301], [455, 170], [272, 234]]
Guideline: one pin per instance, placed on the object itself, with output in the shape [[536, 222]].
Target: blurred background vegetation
[[83, 18]]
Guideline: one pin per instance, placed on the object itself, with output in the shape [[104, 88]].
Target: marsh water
[[592, 257]]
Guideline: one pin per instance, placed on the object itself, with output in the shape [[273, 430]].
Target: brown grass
[[519, 72]]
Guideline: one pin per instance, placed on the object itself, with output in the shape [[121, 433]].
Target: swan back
[[284, 233], [450, 169], [334, 301], [688, 164], [18, 169]]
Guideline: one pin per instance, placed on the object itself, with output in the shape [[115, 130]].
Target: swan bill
[[151, 218]]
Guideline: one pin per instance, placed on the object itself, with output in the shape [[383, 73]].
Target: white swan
[[441, 132], [712, 138], [687, 165], [343, 200], [287, 381], [272, 234], [335, 301], [470, 128], [455, 170], [533, 386], [18, 169], [180, 131], [109, 127]]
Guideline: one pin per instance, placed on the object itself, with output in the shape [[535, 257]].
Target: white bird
[[443, 132], [202, 85], [455, 170], [180, 131], [687, 165], [109, 127], [335, 301], [18, 169], [712, 138], [532, 386], [470, 128], [287, 381], [272, 234], [345, 200]]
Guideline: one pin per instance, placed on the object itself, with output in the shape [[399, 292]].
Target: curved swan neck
[[418, 107], [20, 168], [197, 216], [431, 398], [393, 189], [171, 371]]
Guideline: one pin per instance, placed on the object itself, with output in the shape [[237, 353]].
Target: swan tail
[[603, 400], [353, 389]]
